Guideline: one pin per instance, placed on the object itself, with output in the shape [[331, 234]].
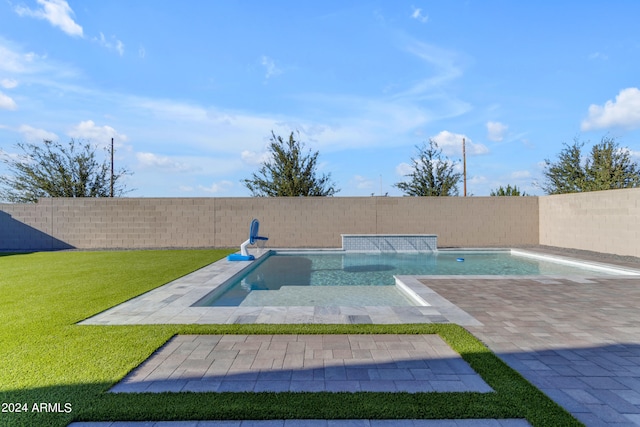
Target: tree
[[433, 174], [289, 172], [53, 170], [608, 167], [507, 191]]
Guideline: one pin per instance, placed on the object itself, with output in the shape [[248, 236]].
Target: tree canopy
[[433, 173], [289, 172], [51, 169], [507, 191], [607, 167]]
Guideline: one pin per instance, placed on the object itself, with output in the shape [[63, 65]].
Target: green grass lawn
[[45, 358]]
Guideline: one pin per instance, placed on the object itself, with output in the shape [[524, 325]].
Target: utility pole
[[111, 193], [464, 166]]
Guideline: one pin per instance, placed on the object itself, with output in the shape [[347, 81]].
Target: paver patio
[[576, 340]]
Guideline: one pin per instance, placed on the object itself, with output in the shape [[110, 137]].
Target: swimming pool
[[286, 278]]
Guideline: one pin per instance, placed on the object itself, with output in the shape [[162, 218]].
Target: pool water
[[337, 278]]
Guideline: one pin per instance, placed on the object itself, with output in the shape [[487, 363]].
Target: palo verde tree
[[51, 169], [433, 173], [289, 172], [607, 167], [507, 191]]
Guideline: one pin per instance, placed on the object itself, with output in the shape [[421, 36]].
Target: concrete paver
[[578, 340], [409, 363]]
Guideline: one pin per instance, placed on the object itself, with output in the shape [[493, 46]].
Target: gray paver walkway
[[351, 363], [576, 340]]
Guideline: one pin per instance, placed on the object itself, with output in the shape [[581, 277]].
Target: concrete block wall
[[600, 221], [459, 221], [606, 221], [27, 227], [299, 222], [109, 223], [320, 222], [288, 222]]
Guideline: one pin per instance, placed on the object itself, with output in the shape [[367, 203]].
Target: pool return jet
[[253, 238]]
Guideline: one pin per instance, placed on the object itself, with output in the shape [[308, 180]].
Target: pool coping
[[173, 302]]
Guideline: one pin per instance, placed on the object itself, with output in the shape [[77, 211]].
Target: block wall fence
[[58, 223], [603, 221]]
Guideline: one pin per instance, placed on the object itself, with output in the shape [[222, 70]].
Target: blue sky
[[190, 91]]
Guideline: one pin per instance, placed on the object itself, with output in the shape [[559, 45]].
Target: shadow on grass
[[3, 254], [58, 406]]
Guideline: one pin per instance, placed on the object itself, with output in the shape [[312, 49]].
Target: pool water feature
[[339, 278]]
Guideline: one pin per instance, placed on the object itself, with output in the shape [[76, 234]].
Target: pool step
[[334, 296]]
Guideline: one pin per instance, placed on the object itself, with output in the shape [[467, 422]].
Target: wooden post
[[111, 193], [464, 166]]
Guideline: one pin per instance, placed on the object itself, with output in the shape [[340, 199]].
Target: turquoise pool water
[[285, 278]]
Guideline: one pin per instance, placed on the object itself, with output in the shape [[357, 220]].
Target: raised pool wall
[[606, 221], [389, 242]]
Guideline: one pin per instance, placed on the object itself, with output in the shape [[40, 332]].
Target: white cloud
[[100, 135], [451, 144], [151, 160], [360, 121], [404, 169], [496, 131], [217, 187], [624, 112], [270, 67], [363, 183], [174, 111], [32, 134], [14, 62], [631, 153], [520, 175], [57, 12], [112, 44], [598, 55], [7, 103], [476, 180], [8, 83], [418, 15], [253, 158], [444, 62], [33, 68], [120, 47], [355, 121], [208, 129]]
